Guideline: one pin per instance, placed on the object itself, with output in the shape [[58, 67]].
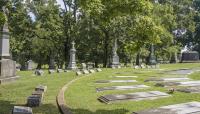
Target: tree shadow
[[6, 107], [85, 111]]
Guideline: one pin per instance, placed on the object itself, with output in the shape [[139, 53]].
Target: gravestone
[[115, 81], [52, 61], [29, 65], [79, 73], [7, 66], [22, 110], [60, 71], [38, 93], [150, 95], [85, 72], [34, 101], [90, 65], [136, 67], [115, 58], [190, 56], [51, 71], [41, 88], [99, 70], [91, 71], [152, 58], [184, 84], [122, 88], [183, 108], [39, 72], [72, 62], [83, 66], [166, 79], [189, 89], [125, 76]]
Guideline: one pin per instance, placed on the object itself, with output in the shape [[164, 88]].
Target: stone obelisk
[[72, 61], [115, 58], [152, 58], [7, 66]]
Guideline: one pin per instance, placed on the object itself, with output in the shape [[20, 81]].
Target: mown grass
[[81, 96], [16, 93]]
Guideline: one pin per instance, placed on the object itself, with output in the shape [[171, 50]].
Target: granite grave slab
[[186, 83], [183, 108], [125, 76], [122, 88], [150, 95], [190, 89], [41, 88], [115, 81], [166, 79], [34, 101], [22, 110]]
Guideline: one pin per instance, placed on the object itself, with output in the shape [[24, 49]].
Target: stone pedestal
[[72, 62]]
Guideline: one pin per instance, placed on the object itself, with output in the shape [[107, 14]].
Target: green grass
[[81, 97], [16, 93]]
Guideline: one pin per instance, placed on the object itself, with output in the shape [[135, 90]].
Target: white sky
[[60, 2]]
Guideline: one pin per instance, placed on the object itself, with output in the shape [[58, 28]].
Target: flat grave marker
[[125, 76], [166, 79], [85, 72], [183, 108], [190, 89], [115, 81], [22, 110], [186, 84], [122, 88], [150, 95]]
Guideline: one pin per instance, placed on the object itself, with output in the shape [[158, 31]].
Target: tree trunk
[[138, 59]]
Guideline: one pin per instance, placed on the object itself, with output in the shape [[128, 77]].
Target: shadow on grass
[[84, 111], [6, 107]]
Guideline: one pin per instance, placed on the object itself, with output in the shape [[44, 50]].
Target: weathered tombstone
[[85, 72], [115, 58], [41, 88], [34, 101], [51, 71], [90, 65], [72, 62], [22, 110], [38, 93], [143, 66], [78, 73], [190, 56], [136, 67], [29, 65], [133, 87], [150, 95], [60, 71], [99, 70], [115, 81], [91, 71], [83, 66], [7, 66], [39, 72]]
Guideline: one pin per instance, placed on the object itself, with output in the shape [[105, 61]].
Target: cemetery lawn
[[81, 96], [16, 93]]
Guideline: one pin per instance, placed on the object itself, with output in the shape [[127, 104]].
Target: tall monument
[[72, 61], [115, 58], [152, 58], [7, 66]]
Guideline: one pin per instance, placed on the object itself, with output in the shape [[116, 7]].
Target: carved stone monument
[[115, 58], [152, 58], [72, 62], [7, 66]]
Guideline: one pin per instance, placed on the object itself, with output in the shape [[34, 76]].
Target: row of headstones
[[84, 71], [40, 72], [147, 66], [34, 100]]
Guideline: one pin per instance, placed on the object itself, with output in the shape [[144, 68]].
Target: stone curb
[[64, 109]]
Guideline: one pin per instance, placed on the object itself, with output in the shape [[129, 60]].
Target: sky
[[60, 2]]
